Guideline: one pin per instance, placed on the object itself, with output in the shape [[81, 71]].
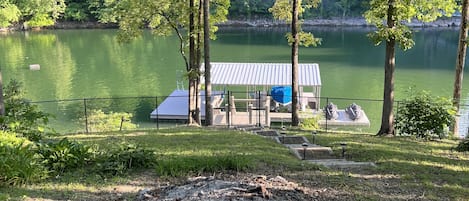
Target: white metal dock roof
[[263, 74]]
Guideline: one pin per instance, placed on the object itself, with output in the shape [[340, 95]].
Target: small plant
[[19, 164], [310, 123], [425, 116], [21, 116], [463, 146], [64, 154], [123, 157], [98, 121]]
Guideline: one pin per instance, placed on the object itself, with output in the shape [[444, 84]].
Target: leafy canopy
[[405, 11], [282, 10], [162, 16]]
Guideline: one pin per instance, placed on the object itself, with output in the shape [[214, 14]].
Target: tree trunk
[[387, 119], [461, 59], [192, 115], [294, 57], [2, 103], [208, 83]]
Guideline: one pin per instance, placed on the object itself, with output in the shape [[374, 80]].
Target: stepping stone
[[312, 152], [342, 163], [292, 140], [268, 133]]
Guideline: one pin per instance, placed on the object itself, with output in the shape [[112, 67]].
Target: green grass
[[428, 167], [406, 167]]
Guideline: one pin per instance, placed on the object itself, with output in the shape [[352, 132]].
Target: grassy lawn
[[407, 169]]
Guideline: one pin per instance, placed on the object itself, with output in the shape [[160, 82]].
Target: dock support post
[[250, 113], [227, 109], [267, 116]]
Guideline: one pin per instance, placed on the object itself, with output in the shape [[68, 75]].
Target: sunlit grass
[[427, 167], [407, 167]]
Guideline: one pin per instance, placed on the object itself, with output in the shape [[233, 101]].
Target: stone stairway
[[304, 150]]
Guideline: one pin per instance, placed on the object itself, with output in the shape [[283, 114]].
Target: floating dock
[[175, 106]]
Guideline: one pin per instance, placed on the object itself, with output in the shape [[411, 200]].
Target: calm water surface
[[77, 64]]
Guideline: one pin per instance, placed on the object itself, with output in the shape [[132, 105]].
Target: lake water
[[77, 64]]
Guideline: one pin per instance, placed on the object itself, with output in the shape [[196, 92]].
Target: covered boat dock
[[257, 106]]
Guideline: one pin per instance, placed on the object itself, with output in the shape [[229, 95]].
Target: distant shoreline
[[336, 22]]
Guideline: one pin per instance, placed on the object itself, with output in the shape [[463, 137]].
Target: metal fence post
[[327, 102], [86, 115], [157, 116], [258, 109], [397, 115]]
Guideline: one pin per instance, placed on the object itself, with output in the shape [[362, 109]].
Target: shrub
[[425, 116], [98, 121], [310, 123], [122, 157], [19, 164], [64, 154], [21, 116], [463, 146]]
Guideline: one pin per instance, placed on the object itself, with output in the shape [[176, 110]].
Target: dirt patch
[[248, 187]]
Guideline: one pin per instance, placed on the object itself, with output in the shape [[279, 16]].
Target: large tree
[[165, 17], [460, 61], [290, 10], [394, 14], [207, 71]]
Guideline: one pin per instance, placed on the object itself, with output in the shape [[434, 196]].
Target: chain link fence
[[231, 109]]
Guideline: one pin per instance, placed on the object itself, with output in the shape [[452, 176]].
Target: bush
[[310, 123], [463, 146], [123, 157], [64, 154], [425, 116], [21, 116], [98, 121], [19, 164]]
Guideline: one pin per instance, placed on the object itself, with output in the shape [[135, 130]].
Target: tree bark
[[387, 118], [208, 75], [294, 57], [192, 115], [460, 61]]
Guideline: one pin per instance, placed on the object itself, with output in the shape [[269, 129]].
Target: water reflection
[[77, 64]]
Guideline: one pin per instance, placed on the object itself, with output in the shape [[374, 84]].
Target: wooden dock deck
[[242, 118]]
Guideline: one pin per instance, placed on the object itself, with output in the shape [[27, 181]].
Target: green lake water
[[77, 64]]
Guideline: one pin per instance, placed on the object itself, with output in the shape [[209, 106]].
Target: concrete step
[[342, 163], [312, 152]]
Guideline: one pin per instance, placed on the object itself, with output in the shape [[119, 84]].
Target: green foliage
[[77, 10], [425, 116], [310, 123], [463, 146], [98, 121], [282, 10], [64, 154], [40, 13], [246, 8], [18, 162], [122, 157], [405, 11], [21, 116], [9, 13], [163, 16], [182, 166]]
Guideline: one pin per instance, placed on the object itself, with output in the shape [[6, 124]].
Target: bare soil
[[351, 184]]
